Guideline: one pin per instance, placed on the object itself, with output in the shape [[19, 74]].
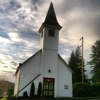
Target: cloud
[[5, 66], [29, 35], [3, 34], [13, 68], [81, 18], [14, 63], [2, 62], [20, 22]]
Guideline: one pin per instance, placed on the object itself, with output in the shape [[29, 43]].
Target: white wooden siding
[[64, 77], [30, 69]]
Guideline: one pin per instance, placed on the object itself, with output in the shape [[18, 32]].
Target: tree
[[39, 91], [95, 61], [10, 92], [75, 62], [32, 90], [3, 86]]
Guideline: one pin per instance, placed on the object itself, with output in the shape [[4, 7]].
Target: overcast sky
[[20, 21]]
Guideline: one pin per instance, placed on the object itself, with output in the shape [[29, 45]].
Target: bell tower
[[49, 31], [49, 37]]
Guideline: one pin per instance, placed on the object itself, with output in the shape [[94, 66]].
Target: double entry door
[[48, 87]]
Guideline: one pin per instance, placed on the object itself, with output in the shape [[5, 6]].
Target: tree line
[[5, 87], [90, 87], [75, 63]]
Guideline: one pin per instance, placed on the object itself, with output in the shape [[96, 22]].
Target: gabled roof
[[65, 63], [50, 20], [20, 65]]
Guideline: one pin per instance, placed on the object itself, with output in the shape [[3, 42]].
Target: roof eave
[[25, 62], [17, 70], [50, 26], [65, 63]]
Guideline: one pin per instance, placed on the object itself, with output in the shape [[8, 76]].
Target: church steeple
[[49, 30], [50, 20]]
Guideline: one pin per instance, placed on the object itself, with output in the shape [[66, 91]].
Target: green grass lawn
[[4, 98]]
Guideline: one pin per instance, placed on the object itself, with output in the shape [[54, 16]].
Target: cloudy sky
[[20, 21]]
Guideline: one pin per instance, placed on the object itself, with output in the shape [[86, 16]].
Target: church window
[[51, 32]]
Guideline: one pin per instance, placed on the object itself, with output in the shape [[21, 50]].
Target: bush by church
[[86, 90]]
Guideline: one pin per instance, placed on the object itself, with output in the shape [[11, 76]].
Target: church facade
[[46, 66]]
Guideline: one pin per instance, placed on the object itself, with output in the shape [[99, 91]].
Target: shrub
[[25, 94], [32, 90], [81, 86], [95, 89], [10, 92], [79, 92], [91, 90], [39, 91]]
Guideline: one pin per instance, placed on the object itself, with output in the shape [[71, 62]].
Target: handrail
[[28, 83]]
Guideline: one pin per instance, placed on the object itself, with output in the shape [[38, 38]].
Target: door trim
[[47, 79]]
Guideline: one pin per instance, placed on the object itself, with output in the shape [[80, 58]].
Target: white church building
[[46, 65]]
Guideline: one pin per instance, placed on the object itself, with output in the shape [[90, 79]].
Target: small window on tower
[[42, 34], [51, 32]]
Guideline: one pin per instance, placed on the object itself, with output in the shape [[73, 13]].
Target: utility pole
[[82, 62]]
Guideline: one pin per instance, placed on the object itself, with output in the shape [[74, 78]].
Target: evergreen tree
[[75, 62], [39, 89], [95, 61], [32, 89], [10, 92]]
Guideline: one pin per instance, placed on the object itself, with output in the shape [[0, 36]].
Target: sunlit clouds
[[20, 21]]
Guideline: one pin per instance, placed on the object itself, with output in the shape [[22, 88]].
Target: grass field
[[4, 98]]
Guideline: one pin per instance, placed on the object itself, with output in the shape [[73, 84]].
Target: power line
[[71, 39], [88, 43]]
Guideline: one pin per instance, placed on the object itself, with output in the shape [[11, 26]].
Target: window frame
[[51, 32]]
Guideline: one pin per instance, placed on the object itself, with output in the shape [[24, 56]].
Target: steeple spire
[[50, 19]]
